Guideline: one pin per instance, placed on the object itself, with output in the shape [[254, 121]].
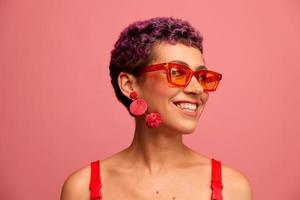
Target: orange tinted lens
[[209, 80], [178, 75]]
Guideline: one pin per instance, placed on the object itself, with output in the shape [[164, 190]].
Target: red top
[[216, 181]]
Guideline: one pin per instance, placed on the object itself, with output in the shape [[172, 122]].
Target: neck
[[156, 150]]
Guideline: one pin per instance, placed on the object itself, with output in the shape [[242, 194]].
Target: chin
[[180, 122], [182, 126], [186, 128]]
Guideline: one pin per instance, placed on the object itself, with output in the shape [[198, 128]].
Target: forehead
[[165, 52]]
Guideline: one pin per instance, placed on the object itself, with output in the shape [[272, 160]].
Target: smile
[[187, 108]]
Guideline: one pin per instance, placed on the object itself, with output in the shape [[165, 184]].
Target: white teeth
[[191, 107]]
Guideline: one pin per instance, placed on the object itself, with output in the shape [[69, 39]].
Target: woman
[[158, 73]]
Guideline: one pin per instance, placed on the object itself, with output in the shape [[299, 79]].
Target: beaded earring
[[139, 107]]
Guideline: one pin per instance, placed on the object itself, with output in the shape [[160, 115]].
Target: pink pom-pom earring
[[139, 107], [153, 120]]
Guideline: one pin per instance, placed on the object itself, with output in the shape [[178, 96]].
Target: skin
[[157, 165]]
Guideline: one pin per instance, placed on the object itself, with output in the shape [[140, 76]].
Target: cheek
[[204, 97], [158, 90]]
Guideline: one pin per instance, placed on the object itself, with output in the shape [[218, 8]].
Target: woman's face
[[165, 98]]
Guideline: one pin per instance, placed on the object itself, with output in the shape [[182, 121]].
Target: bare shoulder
[[76, 185], [236, 185]]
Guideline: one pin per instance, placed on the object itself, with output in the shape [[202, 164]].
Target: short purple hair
[[132, 51]]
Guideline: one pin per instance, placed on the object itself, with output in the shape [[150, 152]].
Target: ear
[[127, 83]]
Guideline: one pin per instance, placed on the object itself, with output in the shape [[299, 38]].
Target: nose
[[194, 86]]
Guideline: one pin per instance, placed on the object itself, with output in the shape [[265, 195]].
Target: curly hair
[[132, 51]]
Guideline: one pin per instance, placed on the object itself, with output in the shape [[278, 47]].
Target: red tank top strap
[[216, 180], [95, 181]]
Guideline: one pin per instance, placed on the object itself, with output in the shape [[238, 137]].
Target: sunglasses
[[180, 75]]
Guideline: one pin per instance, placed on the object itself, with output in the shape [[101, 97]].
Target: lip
[[192, 114], [187, 101]]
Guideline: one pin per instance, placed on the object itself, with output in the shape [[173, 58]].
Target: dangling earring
[[153, 120], [139, 107]]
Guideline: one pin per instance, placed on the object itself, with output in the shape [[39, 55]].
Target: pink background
[[59, 112]]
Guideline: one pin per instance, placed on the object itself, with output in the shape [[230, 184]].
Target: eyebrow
[[184, 63]]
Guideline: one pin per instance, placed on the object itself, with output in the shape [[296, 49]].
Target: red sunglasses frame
[[167, 66]]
